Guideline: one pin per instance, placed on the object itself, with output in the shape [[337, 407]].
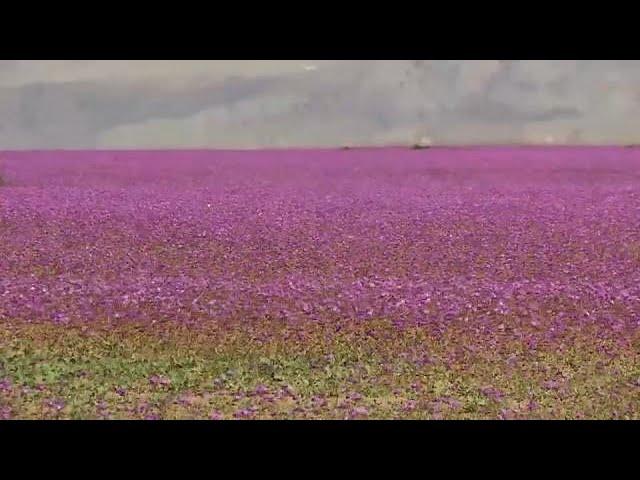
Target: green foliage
[[62, 373]]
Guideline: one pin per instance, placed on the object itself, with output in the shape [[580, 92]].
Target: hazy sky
[[248, 104]]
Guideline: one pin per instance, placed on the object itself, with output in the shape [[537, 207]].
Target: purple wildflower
[[5, 412], [318, 401], [55, 404], [5, 385], [359, 412], [454, 403], [355, 397], [507, 414], [552, 384], [492, 393], [244, 413], [261, 390], [409, 406]]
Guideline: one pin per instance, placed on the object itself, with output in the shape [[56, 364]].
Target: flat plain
[[473, 283]]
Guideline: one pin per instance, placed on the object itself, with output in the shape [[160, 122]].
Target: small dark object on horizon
[[346, 148], [417, 146], [630, 146]]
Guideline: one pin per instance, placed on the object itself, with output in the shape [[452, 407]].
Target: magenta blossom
[[5, 385], [492, 393], [5, 413], [359, 412]]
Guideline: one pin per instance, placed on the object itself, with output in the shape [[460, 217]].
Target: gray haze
[[252, 104]]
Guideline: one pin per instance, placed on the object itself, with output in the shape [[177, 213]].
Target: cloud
[[159, 104]]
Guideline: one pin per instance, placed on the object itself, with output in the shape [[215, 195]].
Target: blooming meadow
[[467, 283]]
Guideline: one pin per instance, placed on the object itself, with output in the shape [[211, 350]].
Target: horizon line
[[321, 148]]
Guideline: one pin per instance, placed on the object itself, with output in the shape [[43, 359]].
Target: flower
[[244, 413], [503, 264], [454, 403], [5, 385], [409, 406], [493, 393], [507, 414], [318, 401], [551, 384], [5, 412], [355, 397], [359, 412], [261, 390], [55, 404]]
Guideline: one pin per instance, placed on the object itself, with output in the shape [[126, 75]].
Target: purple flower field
[[362, 283]]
